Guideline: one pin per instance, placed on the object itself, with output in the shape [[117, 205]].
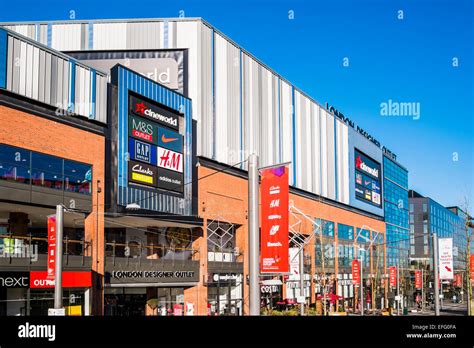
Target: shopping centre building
[[185, 106], [52, 151]]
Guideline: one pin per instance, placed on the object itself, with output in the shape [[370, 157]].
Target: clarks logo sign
[[142, 109], [360, 164]]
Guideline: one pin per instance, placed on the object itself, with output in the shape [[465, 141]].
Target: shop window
[[77, 177], [14, 164], [47, 171]]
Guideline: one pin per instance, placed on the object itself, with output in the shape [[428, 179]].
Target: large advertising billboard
[[155, 147], [368, 187], [274, 255]]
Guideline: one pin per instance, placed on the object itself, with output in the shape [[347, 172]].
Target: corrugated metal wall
[[240, 105], [54, 79]]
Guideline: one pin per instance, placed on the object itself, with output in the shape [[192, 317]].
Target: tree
[[468, 229]]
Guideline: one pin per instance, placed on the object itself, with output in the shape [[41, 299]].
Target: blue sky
[[405, 60]]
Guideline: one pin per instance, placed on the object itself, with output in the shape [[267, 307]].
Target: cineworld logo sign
[[360, 164], [141, 108]]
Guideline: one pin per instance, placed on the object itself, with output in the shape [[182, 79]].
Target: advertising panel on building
[[367, 179], [154, 146], [274, 231], [446, 271]]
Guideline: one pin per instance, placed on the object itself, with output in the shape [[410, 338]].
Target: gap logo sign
[[141, 151]]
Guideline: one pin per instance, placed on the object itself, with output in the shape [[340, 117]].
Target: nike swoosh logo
[[167, 140]]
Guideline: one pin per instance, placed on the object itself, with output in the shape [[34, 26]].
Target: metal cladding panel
[[66, 37], [110, 36], [252, 116], [202, 90], [331, 157], [227, 101], [316, 147], [269, 145], [303, 148], [143, 35], [286, 110], [27, 30], [324, 152], [152, 200], [3, 58], [221, 99], [44, 75], [342, 162]]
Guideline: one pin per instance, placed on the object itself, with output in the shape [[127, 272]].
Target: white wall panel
[[143, 35], [287, 126], [316, 147], [110, 36], [324, 152], [221, 93], [202, 91], [66, 37], [35, 73], [331, 176]]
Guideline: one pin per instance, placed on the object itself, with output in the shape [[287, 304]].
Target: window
[[425, 228], [47, 171], [77, 177], [412, 219], [14, 164], [411, 207], [426, 250], [425, 208], [412, 250], [345, 232]]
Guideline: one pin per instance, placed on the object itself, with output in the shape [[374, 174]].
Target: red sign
[[393, 276], [51, 247], [170, 160], [472, 268], [178, 310], [39, 280], [355, 272], [457, 280], [418, 280], [274, 254]]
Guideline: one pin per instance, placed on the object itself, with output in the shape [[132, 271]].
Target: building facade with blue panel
[[396, 213]]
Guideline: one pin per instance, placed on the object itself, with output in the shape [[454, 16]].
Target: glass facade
[[396, 213], [345, 235], [447, 224], [29, 167]]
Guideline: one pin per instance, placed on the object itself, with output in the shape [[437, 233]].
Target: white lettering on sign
[[170, 160]]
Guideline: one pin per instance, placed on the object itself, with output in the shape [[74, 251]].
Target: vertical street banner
[[472, 268], [355, 271], [274, 234], [392, 273], [418, 279], [445, 247], [51, 247]]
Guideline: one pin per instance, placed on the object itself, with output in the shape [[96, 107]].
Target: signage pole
[[361, 284], [254, 289], [58, 290], [302, 294], [422, 291], [398, 289], [436, 273]]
